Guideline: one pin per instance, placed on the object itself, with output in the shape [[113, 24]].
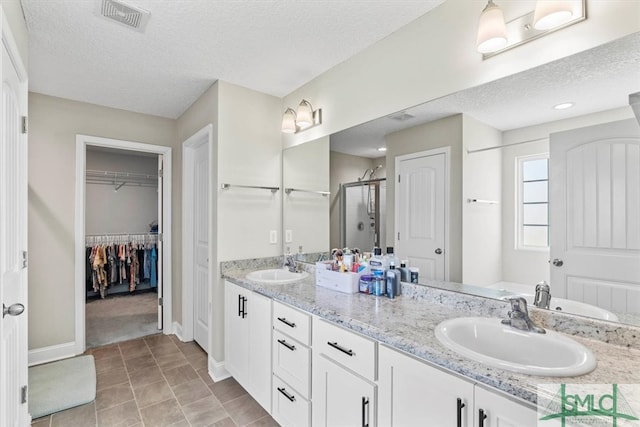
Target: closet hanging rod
[[484, 202], [114, 174], [507, 145], [258, 187], [323, 193]]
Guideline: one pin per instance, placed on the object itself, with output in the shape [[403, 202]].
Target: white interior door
[[159, 244], [13, 246], [421, 213], [201, 244], [595, 215]]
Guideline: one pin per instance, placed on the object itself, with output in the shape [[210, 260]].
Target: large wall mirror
[[501, 237]]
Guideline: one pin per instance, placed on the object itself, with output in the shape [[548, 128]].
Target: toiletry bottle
[[405, 275], [376, 263], [390, 257], [393, 281]]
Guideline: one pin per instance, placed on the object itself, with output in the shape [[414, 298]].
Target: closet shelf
[[119, 179]]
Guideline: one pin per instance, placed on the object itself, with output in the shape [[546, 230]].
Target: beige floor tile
[[108, 363], [190, 348], [204, 412], [80, 416], [183, 423], [113, 396], [165, 349], [191, 391], [264, 422], [158, 339], [162, 414], [145, 376], [244, 410], [123, 415], [140, 362], [45, 421], [227, 390], [227, 422], [180, 375], [106, 352], [198, 360], [204, 374], [153, 393], [171, 361], [111, 377], [134, 348]]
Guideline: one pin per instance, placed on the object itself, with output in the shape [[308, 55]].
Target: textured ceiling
[[596, 80], [272, 46]]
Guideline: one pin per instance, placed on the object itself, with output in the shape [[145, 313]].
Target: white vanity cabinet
[[344, 374], [248, 341], [291, 366], [412, 393]]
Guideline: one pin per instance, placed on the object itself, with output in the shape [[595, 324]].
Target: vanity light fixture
[[495, 36], [563, 106], [305, 118]]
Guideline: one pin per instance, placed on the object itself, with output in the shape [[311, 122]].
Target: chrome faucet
[[543, 295], [290, 263], [519, 316]]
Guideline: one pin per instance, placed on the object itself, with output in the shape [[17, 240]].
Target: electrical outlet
[[273, 237], [288, 236]]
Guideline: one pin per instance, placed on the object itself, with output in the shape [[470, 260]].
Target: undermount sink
[[574, 307], [276, 276], [488, 341]]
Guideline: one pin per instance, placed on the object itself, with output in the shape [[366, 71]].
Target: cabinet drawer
[[347, 348], [292, 322], [289, 408], [292, 362]]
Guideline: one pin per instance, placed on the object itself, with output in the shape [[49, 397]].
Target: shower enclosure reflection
[[363, 213]]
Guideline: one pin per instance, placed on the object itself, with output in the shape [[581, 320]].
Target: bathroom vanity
[[339, 359]]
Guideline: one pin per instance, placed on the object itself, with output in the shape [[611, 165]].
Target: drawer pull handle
[[287, 395], [286, 344], [481, 417], [342, 349], [460, 405], [286, 322], [365, 413]]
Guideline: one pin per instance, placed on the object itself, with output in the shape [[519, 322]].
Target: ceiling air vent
[[127, 15], [401, 116]]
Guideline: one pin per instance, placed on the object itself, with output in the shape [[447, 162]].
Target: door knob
[[557, 262], [438, 251], [12, 310]]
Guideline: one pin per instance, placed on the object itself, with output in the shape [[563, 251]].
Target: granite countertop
[[408, 322]]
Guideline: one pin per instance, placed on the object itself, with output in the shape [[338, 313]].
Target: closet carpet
[[159, 381], [121, 318]]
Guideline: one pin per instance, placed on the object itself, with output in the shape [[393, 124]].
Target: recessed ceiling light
[[382, 149], [564, 106]]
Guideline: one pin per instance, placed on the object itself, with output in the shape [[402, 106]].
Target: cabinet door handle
[[365, 412], [287, 395], [481, 417], [342, 349], [239, 305], [286, 344], [286, 322], [459, 406], [244, 307]]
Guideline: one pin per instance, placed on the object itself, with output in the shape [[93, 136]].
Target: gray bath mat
[[61, 385]]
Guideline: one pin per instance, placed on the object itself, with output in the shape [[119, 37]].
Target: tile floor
[[160, 381]]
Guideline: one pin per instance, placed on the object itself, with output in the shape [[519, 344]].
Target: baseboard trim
[[52, 353], [177, 330], [217, 371]]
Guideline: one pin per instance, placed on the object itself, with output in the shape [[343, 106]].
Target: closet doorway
[[123, 289]]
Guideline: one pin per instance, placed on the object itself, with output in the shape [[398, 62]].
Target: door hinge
[[25, 259], [398, 235], [25, 124], [398, 179], [161, 301], [23, 394], [160, 173], [159, 237]]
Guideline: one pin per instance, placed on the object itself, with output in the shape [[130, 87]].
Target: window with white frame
[[533, 202]]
